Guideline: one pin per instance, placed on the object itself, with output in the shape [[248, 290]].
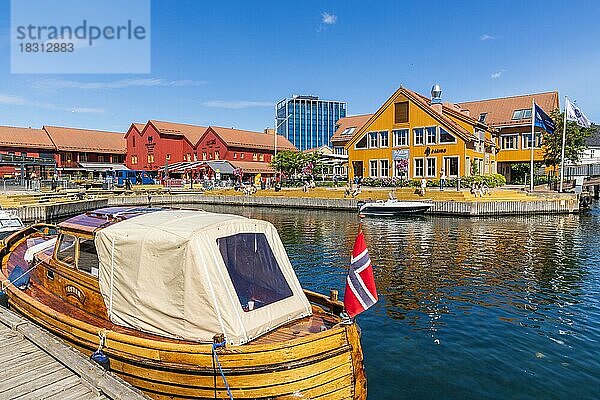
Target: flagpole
[[564, 139], [532, 143]]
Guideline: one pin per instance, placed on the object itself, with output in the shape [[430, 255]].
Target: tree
[[289, 162], [575, 141]]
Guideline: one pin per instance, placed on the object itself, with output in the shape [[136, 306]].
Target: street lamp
[[277, 126]]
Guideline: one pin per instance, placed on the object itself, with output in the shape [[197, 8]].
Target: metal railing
[[572, 171]]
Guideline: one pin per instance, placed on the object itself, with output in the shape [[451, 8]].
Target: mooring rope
[[216, 357]]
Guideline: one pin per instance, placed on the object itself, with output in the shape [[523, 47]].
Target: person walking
[[423, 186], [442, 179]]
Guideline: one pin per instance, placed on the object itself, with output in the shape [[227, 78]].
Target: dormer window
[[482, 117], [521, 114]]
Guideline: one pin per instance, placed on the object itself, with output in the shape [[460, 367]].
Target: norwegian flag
[[361, 292]]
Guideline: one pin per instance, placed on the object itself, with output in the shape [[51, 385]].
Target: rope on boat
[[216, 357], [102, 338]]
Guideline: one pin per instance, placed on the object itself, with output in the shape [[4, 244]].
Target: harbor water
[[486, 308]]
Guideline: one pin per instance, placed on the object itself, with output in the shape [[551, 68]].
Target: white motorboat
[[394, 207], [9, 223]]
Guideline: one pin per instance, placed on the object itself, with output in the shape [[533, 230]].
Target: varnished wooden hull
[[322, 365]]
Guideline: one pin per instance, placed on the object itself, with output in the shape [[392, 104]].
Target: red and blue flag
[[361, 292]]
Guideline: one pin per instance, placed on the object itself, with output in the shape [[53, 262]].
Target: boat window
[[10, 223], [253, 269], [66, 250], [88, 258]]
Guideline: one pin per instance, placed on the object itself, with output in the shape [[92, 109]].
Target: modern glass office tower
[[308, 122]]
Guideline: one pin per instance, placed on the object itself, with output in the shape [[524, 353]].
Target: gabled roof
[[500, 111], [594, 139], [193, 133], [240, 138], [423, 103], [135, 127], [25, 137], [355, 121], [73, 139]]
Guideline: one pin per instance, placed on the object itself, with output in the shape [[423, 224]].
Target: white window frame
[[366, 135], [386, 169], [387, 135], [435, 135], [440, 136], [396, 136], [415, 142], [370, 137], [427, 174], [514, 135], [371, 162], [416, 169], [526, 136]]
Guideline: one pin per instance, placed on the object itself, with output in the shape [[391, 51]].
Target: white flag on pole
[[574, 114]]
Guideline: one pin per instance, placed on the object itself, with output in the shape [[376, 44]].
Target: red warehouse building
[[25, 142], [152, 145]]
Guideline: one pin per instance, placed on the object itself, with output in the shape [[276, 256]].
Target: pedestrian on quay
[[347, 189], [442, 179], [423, 186]]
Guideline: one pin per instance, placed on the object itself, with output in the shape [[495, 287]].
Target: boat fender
[[101, 359]]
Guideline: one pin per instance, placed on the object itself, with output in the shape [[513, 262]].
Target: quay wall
[[50, 212], [565, 205]]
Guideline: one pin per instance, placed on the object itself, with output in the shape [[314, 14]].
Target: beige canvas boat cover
[[194, 274]]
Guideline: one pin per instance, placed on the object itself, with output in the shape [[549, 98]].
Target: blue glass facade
[[311, 121]]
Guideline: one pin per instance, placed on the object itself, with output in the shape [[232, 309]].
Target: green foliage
[[574, 141], [520, 171], [295, 162], [492, 180], [474, 168]]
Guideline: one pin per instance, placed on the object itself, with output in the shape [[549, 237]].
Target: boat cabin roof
[[92, 221]]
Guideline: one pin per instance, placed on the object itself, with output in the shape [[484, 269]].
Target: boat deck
[[320, 320], [35, 365]]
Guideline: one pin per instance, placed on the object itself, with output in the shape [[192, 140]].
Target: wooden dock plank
[[56, 388], [36, 365], [31, 382]]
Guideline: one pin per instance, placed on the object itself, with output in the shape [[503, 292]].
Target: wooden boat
[[393, 207], [312, 355]]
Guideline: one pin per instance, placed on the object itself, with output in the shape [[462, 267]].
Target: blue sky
[[228, 63]]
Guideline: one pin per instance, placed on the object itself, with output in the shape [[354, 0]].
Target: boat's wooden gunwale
[[168, 368]]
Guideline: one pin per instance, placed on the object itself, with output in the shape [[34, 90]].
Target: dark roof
[[594, 139]]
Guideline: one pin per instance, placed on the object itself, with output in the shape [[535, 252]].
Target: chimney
[[269, 131], [436, 98]]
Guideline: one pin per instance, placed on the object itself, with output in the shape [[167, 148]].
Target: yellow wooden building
[[414, 137]]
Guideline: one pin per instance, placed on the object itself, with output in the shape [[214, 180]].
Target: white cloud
[[88, 110], [328, 19], [11, 100], [497, 74], [57, 84], [485, 37], [236, 105]]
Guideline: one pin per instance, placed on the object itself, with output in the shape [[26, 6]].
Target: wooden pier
[[36, 365]]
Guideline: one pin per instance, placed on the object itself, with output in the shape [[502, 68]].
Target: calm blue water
[[490, 308]]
